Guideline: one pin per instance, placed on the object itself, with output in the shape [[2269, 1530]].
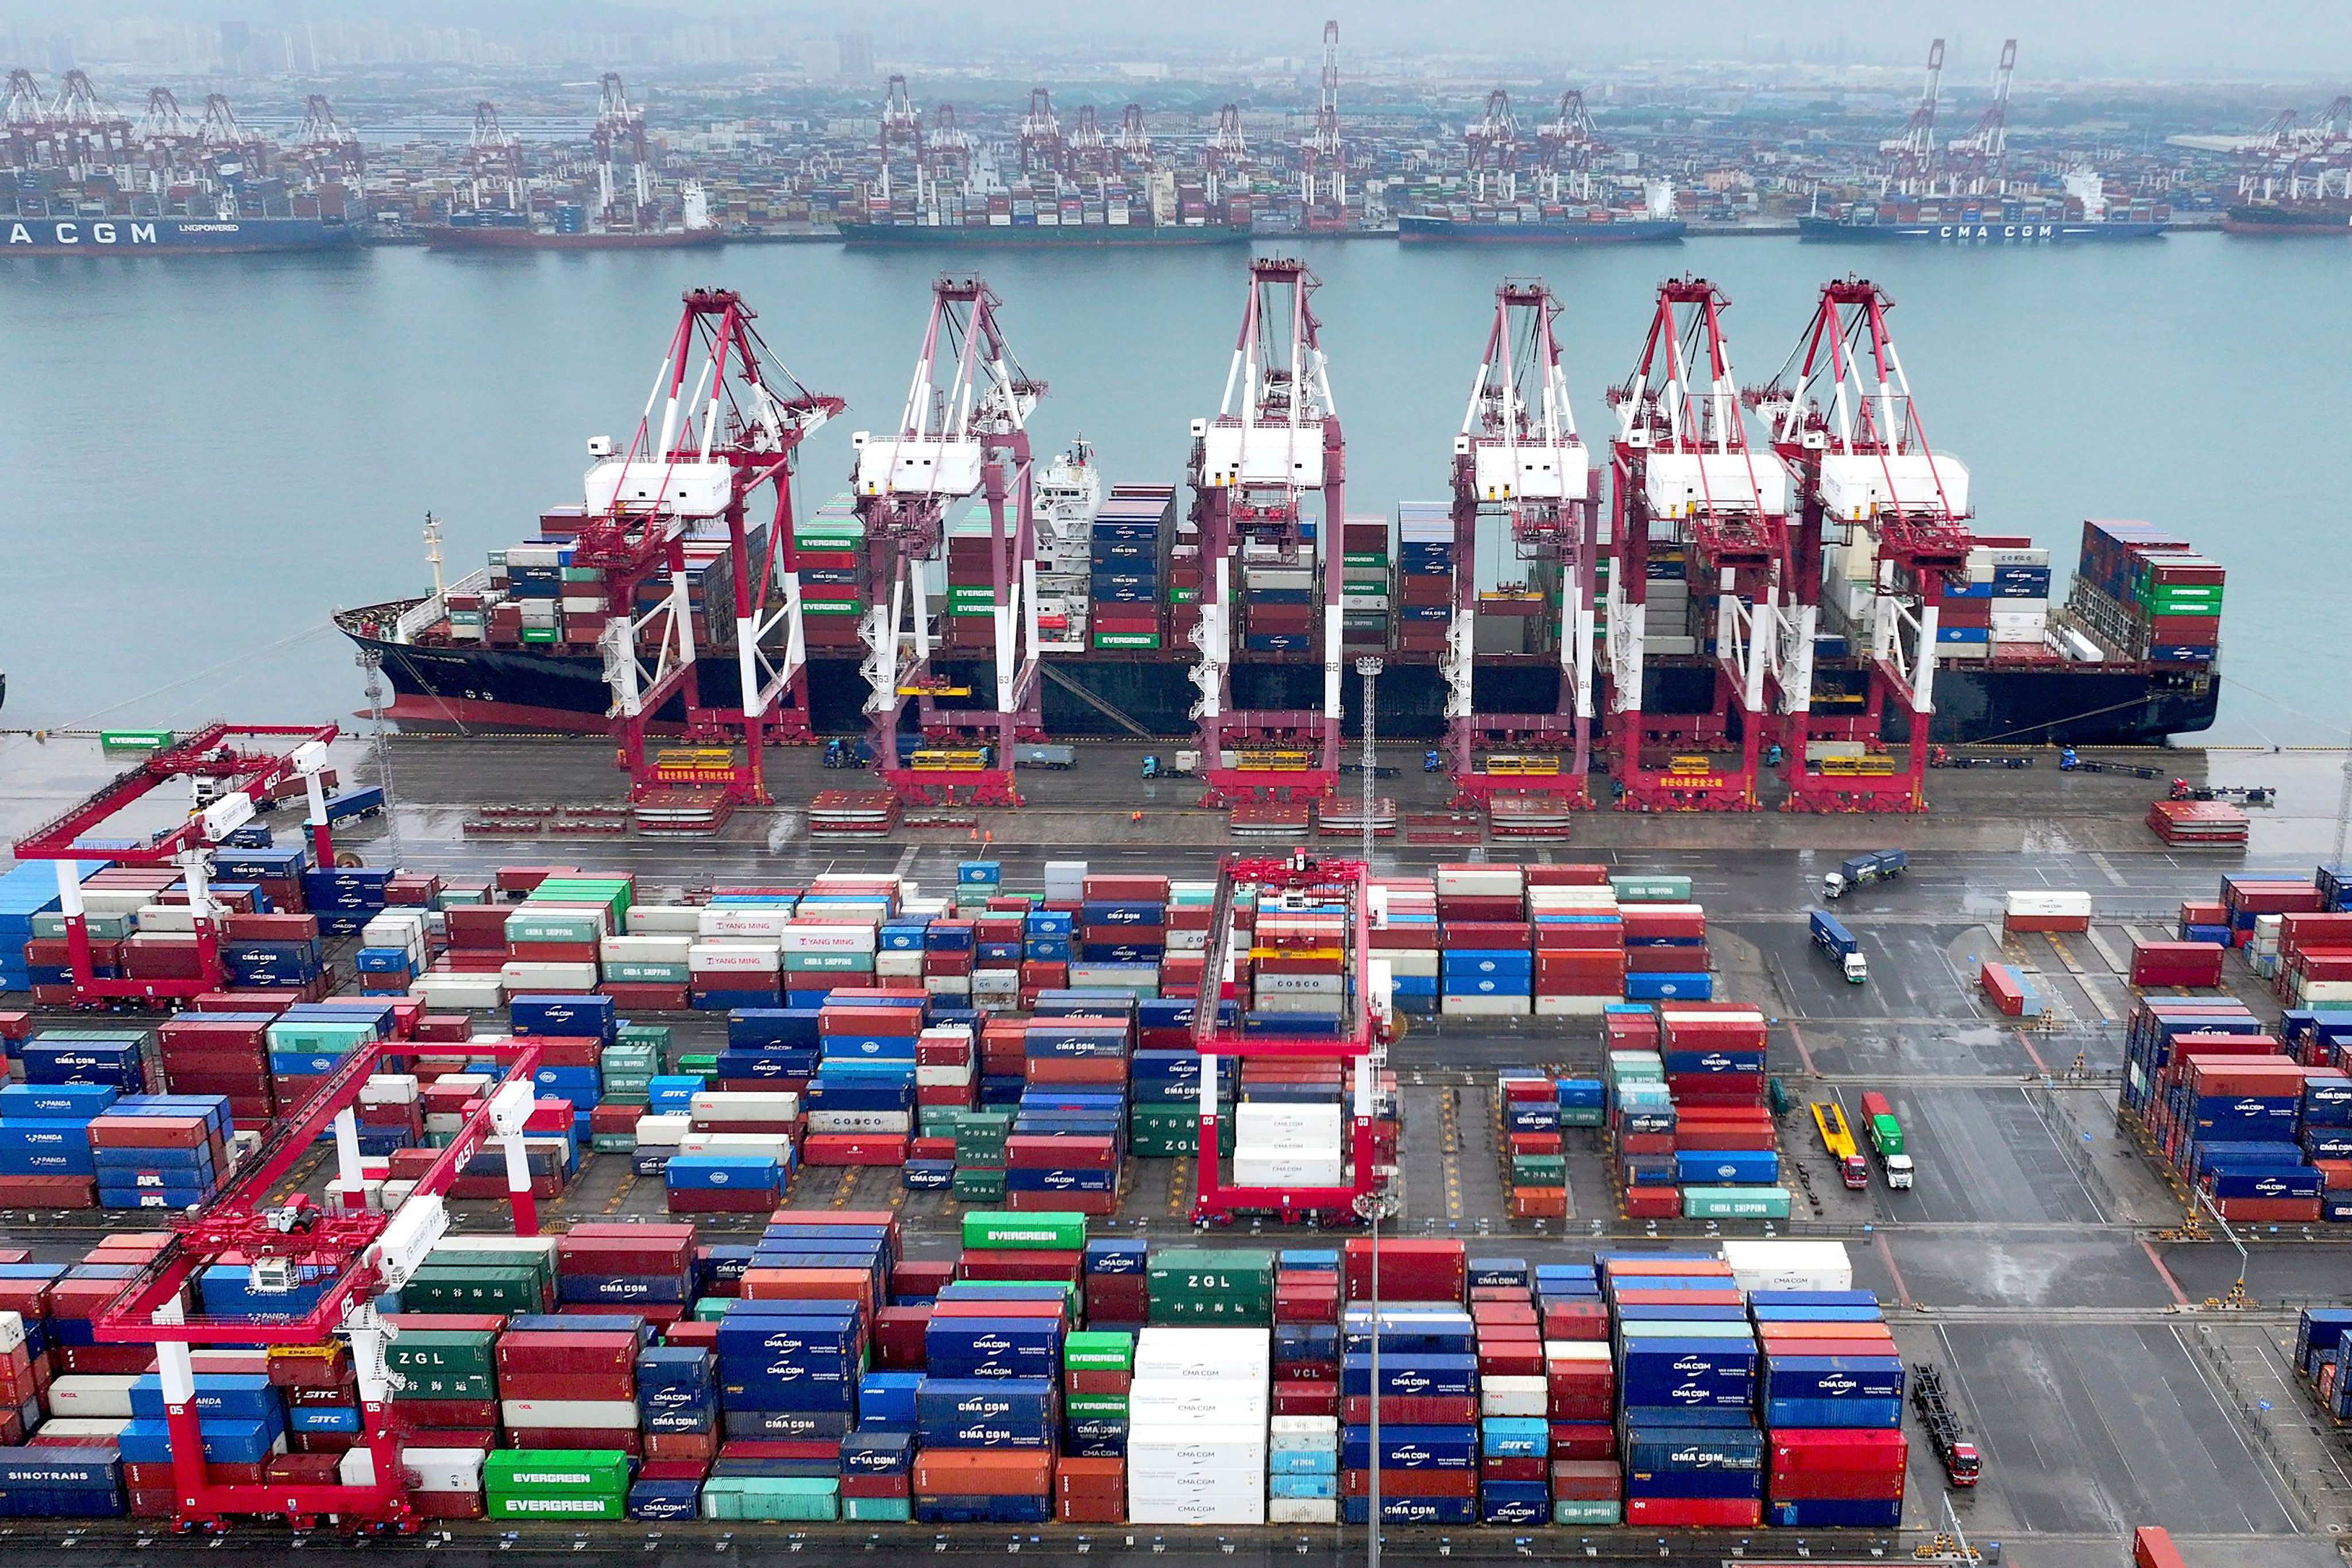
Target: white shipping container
[[830, 938], [882, 1121], [1419, 963], [1480, 881], [442, 1469], [571, 1415], [665, 1131], [943, 1075], [664, 919], [1281, 1125], [97, 1429], [779, 1144], [384, 1089], [2041, 902], [1165, 1350], [1525, 1396], [2311, 991], [1307, 1434], [1454, 1006], [443, 991], [1554, 1005], [519, 976], [12, 1331], [1283, 1168], [167, 920], [744, 1105], [752, 921], [671, 948], [1577, 1350], [1302, 1511], [947, 984], [900, 965], [87, 1394], [1780, 1265], [735, 958]]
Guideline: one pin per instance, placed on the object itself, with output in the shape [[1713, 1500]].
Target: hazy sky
[[2286, 40]]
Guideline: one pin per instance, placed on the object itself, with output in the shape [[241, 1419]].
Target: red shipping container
[[1528, 1467], [2196, 965], [982, 1472], [1585, 1440], [1586, 1480], [1411, 1270], [1411, 1410], [2152, 1548], [1721, 1513], [1397, 1482], [1652, 1203]]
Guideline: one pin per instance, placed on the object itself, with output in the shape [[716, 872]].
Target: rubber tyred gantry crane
[[1275, 441], [1844, 424], [731, 418], [1303, 884], [1698, 510], [963, 434], [330, 1265], [232, 775], [1521, 470]]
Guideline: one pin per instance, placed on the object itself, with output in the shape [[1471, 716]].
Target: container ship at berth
[[170, 235], [2081, 216], [570, 229], [2129, 658], [1551, 223], [2289, 218]]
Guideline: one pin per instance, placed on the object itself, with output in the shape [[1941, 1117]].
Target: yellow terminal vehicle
[[1829, 1117]]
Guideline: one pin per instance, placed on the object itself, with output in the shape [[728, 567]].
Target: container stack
[[1365, 582], [226, 1054], [1485, 904], [830, 546], [2175, 965], [1427, 1388], [160, 1151], [1688, 1359], [1725, 1161], [1514, 1397], [1129, 581], [1581, 945], [2144, 595], [1587, 1483], [1535, 1165], [2314, 955], [1198, 1421], [1425, 576], [1404, 936], [2231, 1113], [2320, 1353]]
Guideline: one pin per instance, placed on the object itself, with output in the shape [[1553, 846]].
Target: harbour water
[[204, 457]]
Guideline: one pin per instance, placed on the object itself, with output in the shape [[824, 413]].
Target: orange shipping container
[[984, 1472]]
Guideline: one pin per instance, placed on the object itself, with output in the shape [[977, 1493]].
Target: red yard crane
[[1088, 147], [730, 420], [1133, 143], [1521, 470], [1699, 511], [330, 1265], [232, 768], [947, 152], [1274, 440], [95, 137], [328, 146], [963, 436], [492, 159], [1844, 424], [1272, 886]]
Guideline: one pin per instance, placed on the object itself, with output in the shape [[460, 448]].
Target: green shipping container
[[772, 1498], [878, 1510], [1211, 1285], [1570, 1511], [1538, 1169], [469, 1287], [574, 1472], [441, 1352], [1735, 1203], [1363, 560], [1049, 1230], [1098, 1349], [558, 1505], [1131, 641], [135, 740], [1170, 1129], [1651, 889], [978, 1185], [1095, 1406]]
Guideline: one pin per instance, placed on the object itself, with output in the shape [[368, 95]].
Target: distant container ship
[[2082, 216], [170, 235], [1552, 223], [496, 229], [898, 231], [2289, 218]]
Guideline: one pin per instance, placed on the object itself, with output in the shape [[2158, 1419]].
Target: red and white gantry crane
[[1693, 497], [1521, 470], [724, 419], [1275, 441], [963, 434], [1844, 424], [1907, 162]]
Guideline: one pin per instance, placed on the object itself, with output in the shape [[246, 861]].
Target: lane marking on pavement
[[1886, 1255], [2099, 944], [2106, 868], [1797, 1038], [2179, 1297], [2032, 1055], [906, 861]]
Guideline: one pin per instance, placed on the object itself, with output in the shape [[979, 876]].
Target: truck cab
[[1854, 1171], [1962, 1465], [1899, 1171], [1878, 866]]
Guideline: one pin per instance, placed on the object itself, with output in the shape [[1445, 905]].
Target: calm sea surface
[[204, 457]]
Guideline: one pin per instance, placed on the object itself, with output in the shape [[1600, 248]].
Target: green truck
[[1886, 1140]]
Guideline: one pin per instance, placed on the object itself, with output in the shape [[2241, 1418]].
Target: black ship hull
[[534, 689]]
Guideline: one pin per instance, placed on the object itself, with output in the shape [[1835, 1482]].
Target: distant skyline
[[2287, 41]]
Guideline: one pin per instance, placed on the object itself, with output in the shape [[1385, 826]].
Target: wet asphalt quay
[[2032, 1260]]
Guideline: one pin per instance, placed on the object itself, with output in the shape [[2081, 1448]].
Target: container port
[[917, 1122]]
